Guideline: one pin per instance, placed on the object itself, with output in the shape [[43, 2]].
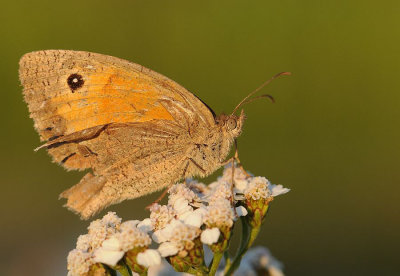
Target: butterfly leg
[[197, 165], [238, 163], [236, 157], [148, 207]]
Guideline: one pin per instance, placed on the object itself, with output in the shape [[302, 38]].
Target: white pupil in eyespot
[[75, 80]]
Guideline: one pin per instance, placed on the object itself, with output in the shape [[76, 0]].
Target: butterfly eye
[[231, 124]]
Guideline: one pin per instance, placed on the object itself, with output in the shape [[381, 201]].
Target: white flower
[[108, 257], [160, 236], [111, 220], [166, 233], [175, 237], [257, 188], [97, 232], [161, 215], [181, 206], [130, 236], [241, 185], [210, 236], [219, 214], [241, 211], [181, 191], [83, 243], [164, 269], [168, 249], [110, 252], [111, 244], [184, 215], [100, 230], [220, 190], [145, 225], [79, 262], [278, 190], [149, 257], [182, 233], [195, 218]]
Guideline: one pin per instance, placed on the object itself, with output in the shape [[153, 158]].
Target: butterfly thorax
[[210, 152]]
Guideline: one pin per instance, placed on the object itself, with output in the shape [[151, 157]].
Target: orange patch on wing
[[110, 97]]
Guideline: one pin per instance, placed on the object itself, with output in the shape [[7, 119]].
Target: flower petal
[[167, 249], [241, 211], [108, 257], [210, 236], [278, 190], [149, 257], [195, 219], [145, 225], [112, 244]]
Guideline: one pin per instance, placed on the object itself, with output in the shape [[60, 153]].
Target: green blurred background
[[332, 136]]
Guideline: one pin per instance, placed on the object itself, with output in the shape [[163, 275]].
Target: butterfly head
[[231, 124]]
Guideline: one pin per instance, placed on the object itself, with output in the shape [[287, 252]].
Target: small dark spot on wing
[[75, 81]]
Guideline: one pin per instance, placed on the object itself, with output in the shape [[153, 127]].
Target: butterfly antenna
[[246, 99]]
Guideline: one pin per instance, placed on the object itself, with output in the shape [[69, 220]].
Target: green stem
[[253, 235], [227, 259], [110, 271], [230, 268], [215, 263], [236, 262], [123, 269], [197, 271]]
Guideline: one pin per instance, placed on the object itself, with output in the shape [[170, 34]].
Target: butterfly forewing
[[69, 91]]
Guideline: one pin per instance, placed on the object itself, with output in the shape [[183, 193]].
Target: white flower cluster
[[106, 242], [194, 212], [252, 187]]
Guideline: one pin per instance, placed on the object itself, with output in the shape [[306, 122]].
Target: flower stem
[[215, 263], [198, 271], [253, 235], [110, 271], [248, 237], [123, 269], [230, 268], [227, 260]]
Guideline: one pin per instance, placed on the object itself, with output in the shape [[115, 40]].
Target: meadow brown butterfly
[[136, 129]]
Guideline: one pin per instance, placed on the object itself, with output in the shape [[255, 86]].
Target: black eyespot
[[75, 81]]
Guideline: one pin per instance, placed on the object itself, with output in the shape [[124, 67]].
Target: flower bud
[[131, 260], [192, 256], [98, 270], [257, 199]]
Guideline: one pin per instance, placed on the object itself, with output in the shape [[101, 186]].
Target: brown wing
[[123, 120], [129, 161], [74, 92]]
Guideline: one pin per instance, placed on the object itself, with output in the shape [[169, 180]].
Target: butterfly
[[137, 130]]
